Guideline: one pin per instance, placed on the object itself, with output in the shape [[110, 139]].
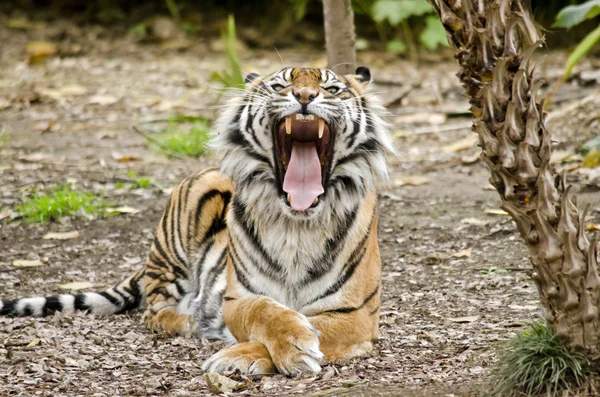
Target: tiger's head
[[304, 141]]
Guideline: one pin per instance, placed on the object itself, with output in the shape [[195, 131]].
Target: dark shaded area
[[270, 22]]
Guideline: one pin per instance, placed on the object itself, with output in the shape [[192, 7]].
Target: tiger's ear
[[363, 74], [250, 77]]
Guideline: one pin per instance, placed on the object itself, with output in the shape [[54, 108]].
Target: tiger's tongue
[[303, 176]]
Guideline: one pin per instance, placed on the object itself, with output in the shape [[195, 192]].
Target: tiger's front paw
[[294, 346], [247, 357]]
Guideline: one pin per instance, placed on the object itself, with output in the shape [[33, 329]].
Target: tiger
[[276, 251]]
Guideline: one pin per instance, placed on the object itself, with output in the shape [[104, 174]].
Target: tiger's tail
[[125, 296]]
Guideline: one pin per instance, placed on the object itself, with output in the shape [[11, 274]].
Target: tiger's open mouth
[[303, 148]]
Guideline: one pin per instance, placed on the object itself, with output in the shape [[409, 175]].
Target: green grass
[[187, 139], [535, 363], [138, 181], [60, 202]]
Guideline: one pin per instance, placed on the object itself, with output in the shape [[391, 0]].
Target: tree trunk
[[339, 35], [494, 42]]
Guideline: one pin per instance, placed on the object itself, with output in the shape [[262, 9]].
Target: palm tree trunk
[[494, 42], [339, 35]]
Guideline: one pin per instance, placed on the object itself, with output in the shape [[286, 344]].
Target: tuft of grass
[[176, 139], [232, 76], [138, 181], [535, 363], [59, 202]]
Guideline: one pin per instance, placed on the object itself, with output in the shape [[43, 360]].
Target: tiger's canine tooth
[[288, 125], [316, 201], [321, 127], [289, 198]]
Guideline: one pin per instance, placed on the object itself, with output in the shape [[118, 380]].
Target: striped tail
[[126, 296]]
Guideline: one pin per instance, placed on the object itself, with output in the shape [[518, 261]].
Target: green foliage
[[434, 34], [299, 8], [232, 77], [574, 15], [581, 50], [535, 362], [139, 29], [174, 10], [177, 139], [139, 182], [396, 47], [59, 202], [399, 12]]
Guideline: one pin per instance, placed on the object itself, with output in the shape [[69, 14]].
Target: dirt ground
[[456, 278]]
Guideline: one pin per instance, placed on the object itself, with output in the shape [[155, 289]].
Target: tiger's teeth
[[288, 125], [316, 201], [289, 198], [321, 127]]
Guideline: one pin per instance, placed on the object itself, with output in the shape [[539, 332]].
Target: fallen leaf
[[124, 159], [466, 253], [496, 212], [44, 126], [69, 91], [591, 159], [474, 221], [27, 263], [217, 383], [39, 50], [77, 285], [463, 144], [122, 210], [23, 24], [5, 214], [34, 343], [411, 181], [470, 159], [592, 227], [61, 235], [103, 100], [467, 319]]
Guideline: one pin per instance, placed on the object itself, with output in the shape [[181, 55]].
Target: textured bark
[[494, 42], [339, 35]]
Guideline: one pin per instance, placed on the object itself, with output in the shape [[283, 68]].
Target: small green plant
[[139, 182], [181, 139], [231, 77], [535, 363], [59, 202]]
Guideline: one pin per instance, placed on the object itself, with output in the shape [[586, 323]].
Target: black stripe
[[239, 209], [228, 298], [345, 310], [333, 246], [8, 307], [240, 276], [175, 231], [219, 223], [27, 311], [52, 305], [358, 256], [113, 300], [79, 303], [176, 269]]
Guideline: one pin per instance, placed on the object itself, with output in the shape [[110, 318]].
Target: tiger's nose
[[305, 95]]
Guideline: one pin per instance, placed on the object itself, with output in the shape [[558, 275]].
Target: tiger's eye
[[333, 90], [277, 87]]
